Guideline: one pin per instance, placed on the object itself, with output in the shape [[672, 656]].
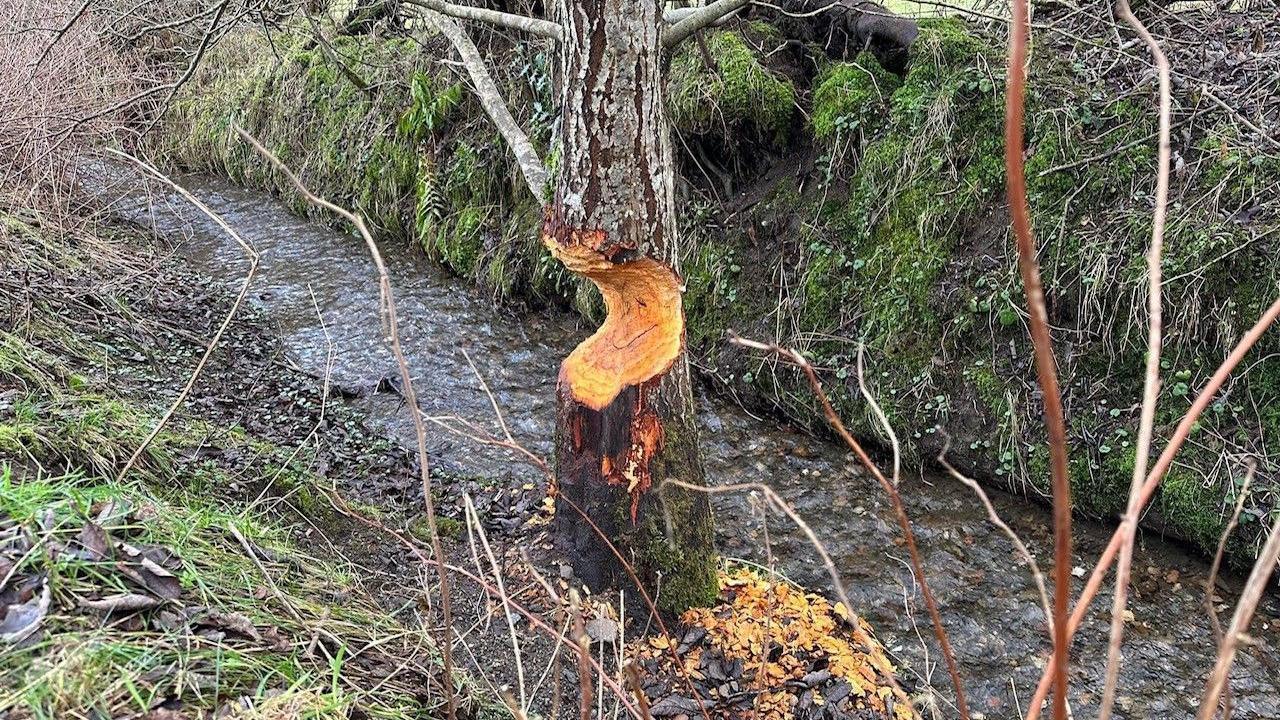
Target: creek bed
[[320, 288]]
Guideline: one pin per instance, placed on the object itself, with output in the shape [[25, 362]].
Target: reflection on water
[[319, 286]]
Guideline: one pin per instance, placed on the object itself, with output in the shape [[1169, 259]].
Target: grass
[[249, 619], [85, 664]]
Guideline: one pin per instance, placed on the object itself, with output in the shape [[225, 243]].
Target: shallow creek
[[320, 288]]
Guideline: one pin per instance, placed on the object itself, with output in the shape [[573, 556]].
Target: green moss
[[738, 92], [851, 97], [447, 527], [1194, 505]]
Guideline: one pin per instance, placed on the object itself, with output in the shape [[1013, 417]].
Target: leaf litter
[[771, 651]]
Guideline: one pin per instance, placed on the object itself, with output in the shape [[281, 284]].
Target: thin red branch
[[1043, 346], [899, 509]]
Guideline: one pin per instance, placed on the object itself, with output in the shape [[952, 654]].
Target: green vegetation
[[171, 587], [215, 643], [737, 92], [849, 97], [897, 241]]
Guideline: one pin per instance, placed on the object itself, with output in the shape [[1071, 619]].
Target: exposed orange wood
[[643, 331]]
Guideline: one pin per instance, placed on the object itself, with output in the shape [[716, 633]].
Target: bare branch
[[895, 498], [388, 310], [1154, 477], [332, 54], [1042, 345], [994, 518], [532, 25], [58, 36], [535, 173], [1212, 581], [699, 19], [249, 253], [1151, 384], [1240, 623]]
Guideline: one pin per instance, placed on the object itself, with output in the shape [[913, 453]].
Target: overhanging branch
[[535, 173], [699, 18], [531, 25]]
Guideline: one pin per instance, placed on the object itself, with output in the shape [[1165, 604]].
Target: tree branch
[[535, 172], [534, 26], [691, 22], [862, 23]]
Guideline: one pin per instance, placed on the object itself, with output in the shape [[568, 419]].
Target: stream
[[319, 288]]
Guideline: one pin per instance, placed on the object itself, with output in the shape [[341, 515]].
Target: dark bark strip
[[625, 403]]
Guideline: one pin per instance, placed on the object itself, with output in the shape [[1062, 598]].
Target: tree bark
[[626, 418]]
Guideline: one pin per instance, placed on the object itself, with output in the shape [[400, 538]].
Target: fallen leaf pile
[[770, 651]]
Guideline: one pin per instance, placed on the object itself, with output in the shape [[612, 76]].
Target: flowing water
[[320, 288]]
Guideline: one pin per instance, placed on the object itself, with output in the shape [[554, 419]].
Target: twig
[[880, 416], [994, 518], [1212, 580], [1154, 477], [388, 310], [583, 643], [699, 19], [535, 173], [342, 507], [57, 36], [1151, 381], [900, 511], [535, 26], [1204, 90], [1042, 344], [253, 555], [473, 517], [633, 679], [226, 321], [1240, 623]]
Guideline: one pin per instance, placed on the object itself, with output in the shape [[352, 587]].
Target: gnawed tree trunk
[[625, 403]]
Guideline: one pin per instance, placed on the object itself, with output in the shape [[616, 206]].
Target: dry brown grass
[[49, 81]]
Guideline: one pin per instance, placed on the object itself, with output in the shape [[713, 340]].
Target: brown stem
[[411, 400], [1042, 343]]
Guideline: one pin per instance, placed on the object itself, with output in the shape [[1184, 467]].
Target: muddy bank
[[988, 600], [827, 204]]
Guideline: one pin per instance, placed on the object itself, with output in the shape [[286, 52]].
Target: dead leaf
[[147, 573], [231, 622], [95, 541], [20, 620], [121, 603]]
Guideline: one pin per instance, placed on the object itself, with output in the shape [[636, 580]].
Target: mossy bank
[[830, 206]]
